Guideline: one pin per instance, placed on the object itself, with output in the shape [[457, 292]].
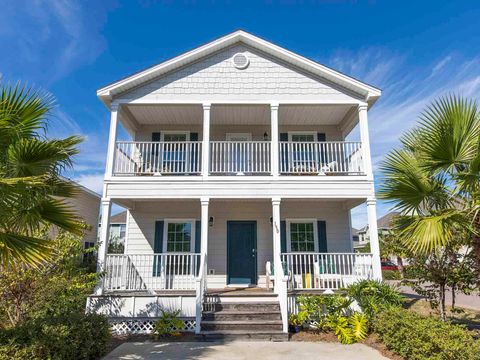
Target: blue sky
[[413, 50]]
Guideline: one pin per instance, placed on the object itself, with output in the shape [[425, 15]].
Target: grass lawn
[[470, 318]]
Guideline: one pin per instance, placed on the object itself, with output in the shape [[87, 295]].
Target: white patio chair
[[327, 168]]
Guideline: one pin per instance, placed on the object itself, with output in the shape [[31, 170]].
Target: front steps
[[242, 315]]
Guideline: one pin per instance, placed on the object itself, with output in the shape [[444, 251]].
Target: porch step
[[245, 335], [255, 307], [229, 315], [216, 325], [248, 318]]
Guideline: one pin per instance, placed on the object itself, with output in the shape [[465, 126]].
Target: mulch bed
[[372, 340]]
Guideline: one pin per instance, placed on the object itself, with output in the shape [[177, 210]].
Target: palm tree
[[434, 178], [30, 184]]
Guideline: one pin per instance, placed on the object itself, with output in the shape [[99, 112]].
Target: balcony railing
[[323, 271], [173, 271], [155, 157], [240, 157], [322, 158]]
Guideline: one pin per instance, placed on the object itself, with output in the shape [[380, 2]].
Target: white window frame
[[170, 132], [314, 133], [301, 221], [247, 135], [165, 234]]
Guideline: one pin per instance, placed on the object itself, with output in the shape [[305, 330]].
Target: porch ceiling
[[251, 114]]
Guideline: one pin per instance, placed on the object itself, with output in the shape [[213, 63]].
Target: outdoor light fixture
[[265, 136], [210, 221], [271, 220]]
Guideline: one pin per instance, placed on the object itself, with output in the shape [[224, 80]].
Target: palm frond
[[359, 326], [424, 234], [33, 157], [23, 111], [450, 133], [18, 249]]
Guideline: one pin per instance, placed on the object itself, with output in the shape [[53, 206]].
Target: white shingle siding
[[216, 77]]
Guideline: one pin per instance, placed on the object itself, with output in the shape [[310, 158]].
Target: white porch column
[[373, 233], [274, 150], [206, 139], [365, 139], [201, 282], [104, 235], [112, 140], [276, 240]]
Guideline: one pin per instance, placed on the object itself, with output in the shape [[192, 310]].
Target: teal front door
[[242, 252]]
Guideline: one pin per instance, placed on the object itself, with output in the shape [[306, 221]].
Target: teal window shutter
[[284, 159], [194, 155], [198, 235], [322, 236], [283, 236], [158, 247]]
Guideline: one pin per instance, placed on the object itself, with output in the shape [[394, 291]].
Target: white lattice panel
[[143, 326]]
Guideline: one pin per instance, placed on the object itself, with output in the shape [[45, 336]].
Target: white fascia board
[[370, 93]]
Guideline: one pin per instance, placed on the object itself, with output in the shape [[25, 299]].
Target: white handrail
[[167, 271], [328, 157], [157, 157], [310, 270], [239, 157], [200, 290], [281, 289]]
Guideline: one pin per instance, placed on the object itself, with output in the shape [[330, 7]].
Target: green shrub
[[417, 337], [333, 313], [74, 336], [391, 275], [168, 325], [373, 296]]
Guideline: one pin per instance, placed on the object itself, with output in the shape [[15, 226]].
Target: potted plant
[[294, 323]]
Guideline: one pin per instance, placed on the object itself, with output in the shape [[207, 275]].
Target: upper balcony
[[239, 158], [238, 140]]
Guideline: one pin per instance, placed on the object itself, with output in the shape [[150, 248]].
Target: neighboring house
[[87, 206], [118, 227], [238, 175], [384, 225]]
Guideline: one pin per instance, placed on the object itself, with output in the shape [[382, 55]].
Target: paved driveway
[[243, 350]]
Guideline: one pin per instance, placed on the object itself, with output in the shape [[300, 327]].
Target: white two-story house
[[237, 176]]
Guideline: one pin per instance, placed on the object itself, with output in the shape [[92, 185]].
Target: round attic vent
[[240, 61]]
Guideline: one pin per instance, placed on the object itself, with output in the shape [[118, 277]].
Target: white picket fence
[[329, 157], [172, 271], [309, 270]]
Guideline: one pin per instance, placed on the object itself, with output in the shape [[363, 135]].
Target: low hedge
[[76, 336], [417, 337]]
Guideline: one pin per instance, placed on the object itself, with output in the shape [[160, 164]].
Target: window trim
[[170, 132], [314, 133], [301, 221], [165, 234]]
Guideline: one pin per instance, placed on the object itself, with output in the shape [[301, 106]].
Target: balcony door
[[237, 153], [174, 152], [303, 155]]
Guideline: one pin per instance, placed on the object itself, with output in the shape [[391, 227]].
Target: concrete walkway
[[243, 350]]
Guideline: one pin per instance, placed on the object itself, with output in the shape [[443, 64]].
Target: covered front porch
[[163, 249]]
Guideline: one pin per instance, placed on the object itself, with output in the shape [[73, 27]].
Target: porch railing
[[176, 271], [239, 157], [323, 271], [322, 158], [157, 157]]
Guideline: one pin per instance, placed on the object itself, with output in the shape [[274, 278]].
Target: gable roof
[[370, 93], [120, 218], [385, 222]]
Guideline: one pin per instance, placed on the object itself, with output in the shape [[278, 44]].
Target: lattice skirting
[[143, 326]]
